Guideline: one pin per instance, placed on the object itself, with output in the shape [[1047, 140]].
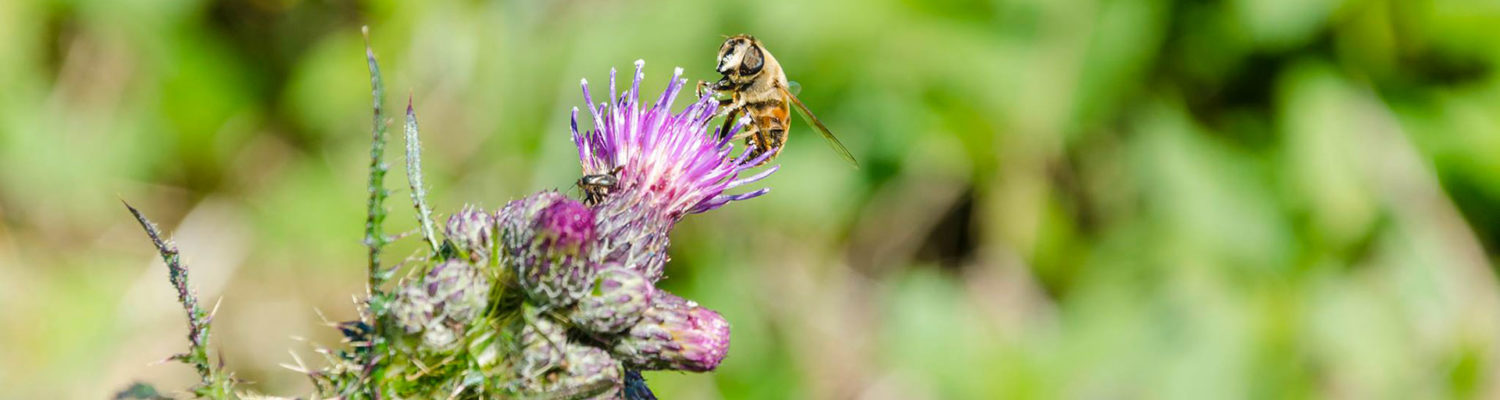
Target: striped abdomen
[[767, 127]]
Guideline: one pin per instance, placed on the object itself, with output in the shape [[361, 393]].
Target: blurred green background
[[1059, 199]]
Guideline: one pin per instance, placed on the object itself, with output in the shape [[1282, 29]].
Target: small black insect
[[597, 187]]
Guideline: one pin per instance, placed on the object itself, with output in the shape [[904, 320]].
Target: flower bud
[[547, 238], [461, 290], [674, 334], [541, 345], [616, 302], [469, 231], [591, 374], [439, 306], [585, 372], [412, 309], [565, 227]]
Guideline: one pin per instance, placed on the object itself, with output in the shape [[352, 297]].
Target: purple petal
[[737, 182]]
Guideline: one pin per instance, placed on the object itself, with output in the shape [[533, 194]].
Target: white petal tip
[[640, 63], [677, 71], [583, 81]]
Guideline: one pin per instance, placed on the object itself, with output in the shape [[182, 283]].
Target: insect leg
[[729, 121], [702, 88]]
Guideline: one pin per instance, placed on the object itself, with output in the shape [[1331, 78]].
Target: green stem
[[375, 216], [214, 383], [375, 237]]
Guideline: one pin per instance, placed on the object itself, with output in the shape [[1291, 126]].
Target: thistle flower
[[587, 317], [669, 165], [616, 302], [546, 240], [674, 334], [469, 230], [667, 159]]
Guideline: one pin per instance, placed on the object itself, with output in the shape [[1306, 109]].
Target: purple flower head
[[567, 225], [546, 239], [671, 161]]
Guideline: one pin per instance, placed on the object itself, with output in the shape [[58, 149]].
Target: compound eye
[[752, 62], [724, 61]]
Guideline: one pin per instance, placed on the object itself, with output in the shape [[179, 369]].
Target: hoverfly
[[755, 84]]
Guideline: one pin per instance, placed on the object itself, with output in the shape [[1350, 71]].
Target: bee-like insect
[[597, 187], [754, 84]]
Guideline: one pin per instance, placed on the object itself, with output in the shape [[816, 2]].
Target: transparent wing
[[794, 87], [838, 147]]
